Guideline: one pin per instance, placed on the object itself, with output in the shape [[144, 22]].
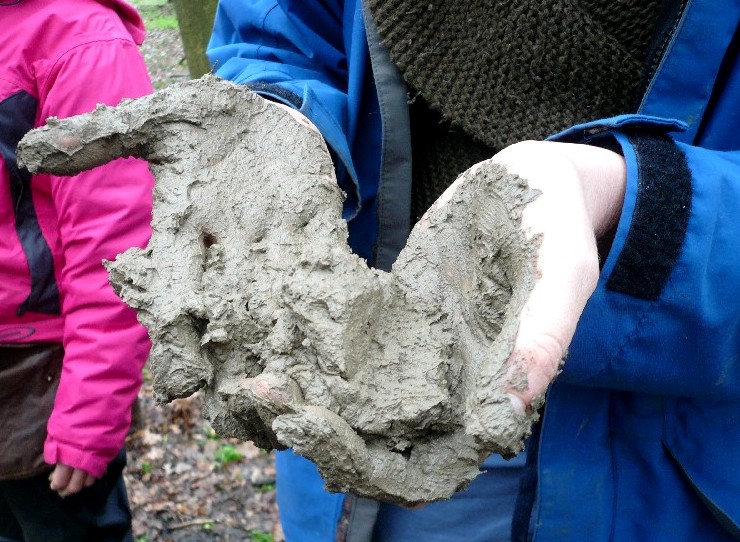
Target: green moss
[[228, 454], [261, 536], [162, 23], [157, 14]]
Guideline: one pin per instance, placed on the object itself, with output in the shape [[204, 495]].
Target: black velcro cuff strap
[[277, 92], [660, 219]]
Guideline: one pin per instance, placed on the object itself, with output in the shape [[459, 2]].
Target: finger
[[348, 463], [258, 401], [567, 270], [272, 392], [60, 477], [547, 325], [89, 480], [68, 146], [550, 315], [325, 438], [76, 483]]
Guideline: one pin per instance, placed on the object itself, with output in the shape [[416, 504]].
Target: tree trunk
[[195, 18]]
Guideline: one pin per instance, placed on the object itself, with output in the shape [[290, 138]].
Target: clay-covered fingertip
[[517, 403]]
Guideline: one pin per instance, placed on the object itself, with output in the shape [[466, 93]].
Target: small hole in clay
[[200, 324], [209, 240], [406, 453]]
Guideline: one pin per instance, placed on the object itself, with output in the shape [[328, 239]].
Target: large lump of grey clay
[[390, 382]]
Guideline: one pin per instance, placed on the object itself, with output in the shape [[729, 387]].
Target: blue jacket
[[641, 431]]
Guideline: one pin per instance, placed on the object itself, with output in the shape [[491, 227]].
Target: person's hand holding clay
[[581, 194], [397, 385]]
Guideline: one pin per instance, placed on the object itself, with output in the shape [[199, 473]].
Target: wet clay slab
[[389, 382]]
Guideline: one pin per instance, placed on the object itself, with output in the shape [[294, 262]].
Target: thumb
[[568, 272]]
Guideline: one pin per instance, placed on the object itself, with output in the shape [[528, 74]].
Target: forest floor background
[[185, 483]]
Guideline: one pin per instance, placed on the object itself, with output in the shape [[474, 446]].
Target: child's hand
[[67, 481]]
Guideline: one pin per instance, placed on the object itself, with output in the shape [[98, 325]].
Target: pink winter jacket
[[61, 58]]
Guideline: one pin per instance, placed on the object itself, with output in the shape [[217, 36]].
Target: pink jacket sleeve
[[99, 214]]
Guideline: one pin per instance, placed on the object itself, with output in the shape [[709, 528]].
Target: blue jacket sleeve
[[665, 317], [292, 52]]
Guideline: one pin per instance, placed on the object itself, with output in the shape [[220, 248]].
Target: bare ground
[[187, 485]]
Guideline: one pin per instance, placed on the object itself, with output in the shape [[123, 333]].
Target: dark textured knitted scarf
[[488, 73]]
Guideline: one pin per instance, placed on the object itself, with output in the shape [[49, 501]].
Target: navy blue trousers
[[31, 512]]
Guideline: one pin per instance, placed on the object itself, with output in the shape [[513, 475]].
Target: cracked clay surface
[[389, 382]]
